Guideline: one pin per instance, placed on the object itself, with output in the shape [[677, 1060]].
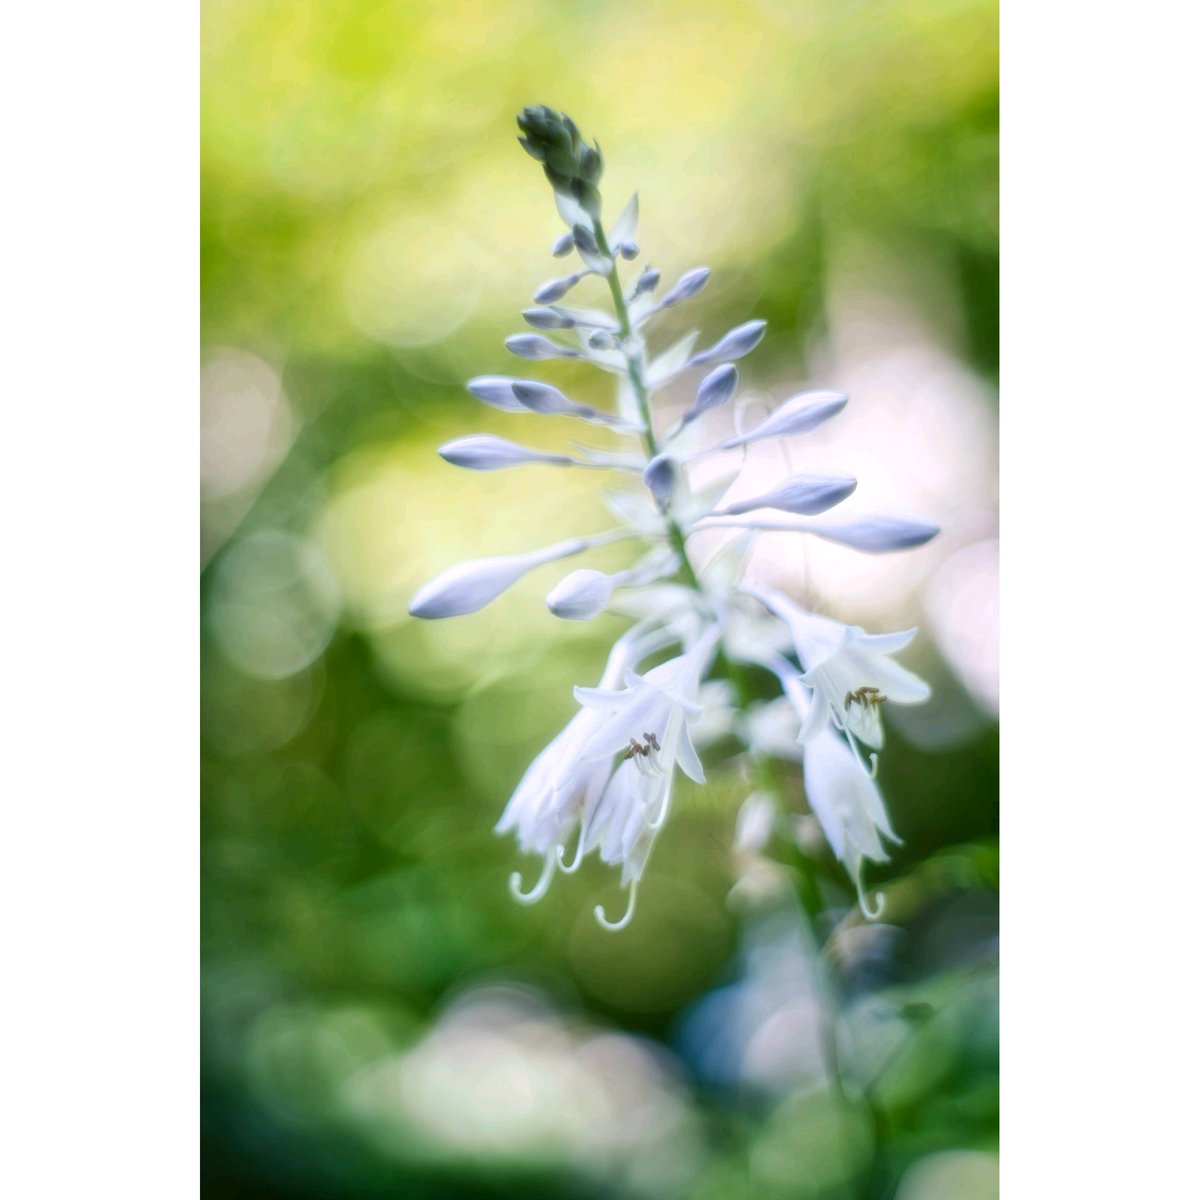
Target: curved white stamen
[[615, 926], [659, 821], [573, 866], [538, 890], [872, 914], [871, 771]]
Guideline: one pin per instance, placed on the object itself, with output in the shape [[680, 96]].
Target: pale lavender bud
[[627, 250], [795, 416], [547, 318], [469, 586], [805, 495], [690, 282], [495, 390], [661, 476], [585, 240], [556, 289], [589, 251], [563, 246], [542, 398], [581, 596], [537, 348], [736, 343], [601, 339], [875, 534], [482, 452], [715, 389], [647, 281]]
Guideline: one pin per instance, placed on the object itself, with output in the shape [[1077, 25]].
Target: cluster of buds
[[604, 784], [572, 166]]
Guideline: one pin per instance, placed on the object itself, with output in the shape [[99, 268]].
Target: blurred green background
[[379, 1017]]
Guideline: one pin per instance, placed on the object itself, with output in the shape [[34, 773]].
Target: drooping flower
[[649, 718], [845, 800], [848, 804], [617, 804], [850, 672]]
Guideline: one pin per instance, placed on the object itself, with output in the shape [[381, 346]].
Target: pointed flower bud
[[661, 476], [563, 246], [878, 534], [585, 239], [736, 343], [549, 401], [482, 452], [581, 596], [589, 251], [690, 282], [805, 495], [495, 390], [715, 389], [556, 289], [795, 416], [547, 318], [470, 586], [647, 281], [536, 348]]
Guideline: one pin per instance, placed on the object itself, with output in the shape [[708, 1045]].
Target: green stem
[[642, 395]]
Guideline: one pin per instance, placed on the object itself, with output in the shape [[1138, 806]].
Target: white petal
[[898, 683], [688, 759], [671, 361], [571, 211], [626, 227]]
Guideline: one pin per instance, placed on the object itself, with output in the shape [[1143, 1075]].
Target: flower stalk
[[604, 785]]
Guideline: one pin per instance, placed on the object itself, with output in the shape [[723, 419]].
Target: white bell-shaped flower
[[572, 785], [849, 807], [850, 672]]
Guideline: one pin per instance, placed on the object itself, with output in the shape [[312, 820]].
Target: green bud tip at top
[[572, 166]]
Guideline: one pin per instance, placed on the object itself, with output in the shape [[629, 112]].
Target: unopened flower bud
[[547, 318], [572, 167], [647, 281], [660, 476], [690, 282]]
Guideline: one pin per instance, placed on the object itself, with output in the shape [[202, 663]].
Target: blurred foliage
[[370, 230]]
